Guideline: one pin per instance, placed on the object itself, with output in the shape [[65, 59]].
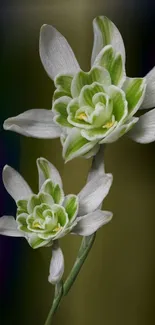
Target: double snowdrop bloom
[[45, 217], [90, 108]]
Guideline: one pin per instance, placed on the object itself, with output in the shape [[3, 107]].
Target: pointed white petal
[[8, 227], [55, 53], [94, 193], [36, 123], [144, 130], [149, 99], [105, 32], [47, 171], [57, 265], [90, 223], [15, 184]]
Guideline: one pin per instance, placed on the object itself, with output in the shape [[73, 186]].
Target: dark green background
[[117, 283]]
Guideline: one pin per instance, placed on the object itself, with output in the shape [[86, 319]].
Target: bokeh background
[[117, 283]]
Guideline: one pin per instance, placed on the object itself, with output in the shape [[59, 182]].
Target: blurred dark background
[[117, 283]]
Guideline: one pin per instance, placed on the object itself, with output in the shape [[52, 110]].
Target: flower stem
[[56, 302], [85, 247], [62, 290]]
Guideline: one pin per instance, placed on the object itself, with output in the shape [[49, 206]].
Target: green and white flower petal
[[73, 106], [120, 105], [60, 213], [47, 171], [91, 222], [96, 74], [56, 265], [55, 53], [97, 134], [36, 242], [94, 193], [22, 206], [63, 82], [62, 121], [75, 145], [54, 190], [144, 130], [105, 57], [9, 227], [92, 152], [134, 89], [149, 99], [59, 93], [117, 71], [105, 32], [87, 93], [81, 118], [101, 115], [60, 105], [15, 184], [22, 222], [120, 131], [71, 205], [36, 123], [39, 199]]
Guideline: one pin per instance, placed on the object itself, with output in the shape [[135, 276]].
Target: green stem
[[85, 247], [56, 302]]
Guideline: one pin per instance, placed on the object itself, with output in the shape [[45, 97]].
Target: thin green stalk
[[85, 247], [56, 302]]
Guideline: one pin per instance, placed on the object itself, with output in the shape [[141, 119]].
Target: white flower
[[90, 108], [45, 217]]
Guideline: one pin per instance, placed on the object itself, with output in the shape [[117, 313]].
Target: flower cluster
[[90, 108], [45, 217]]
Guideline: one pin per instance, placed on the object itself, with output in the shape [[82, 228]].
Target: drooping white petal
[[8, 227], [15, 184], [149, 99], [105, 32], [57, 264], [48, 171], [90, 223], [144, 130], [55, 53], [36, 123], [94, 193]]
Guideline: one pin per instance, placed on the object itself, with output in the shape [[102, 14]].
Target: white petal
[[15, 184], [94, 193], [90, 223], [107, 35], [55, 53], [144, 130], [149, 99], [47, 171], [8, 227], [57, 265], [36, 123], [97, 165]]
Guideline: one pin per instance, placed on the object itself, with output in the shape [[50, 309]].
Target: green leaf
[[120, 105], [63, 82], [75, 145], [71, 206], [134, 89], [96, 74]]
